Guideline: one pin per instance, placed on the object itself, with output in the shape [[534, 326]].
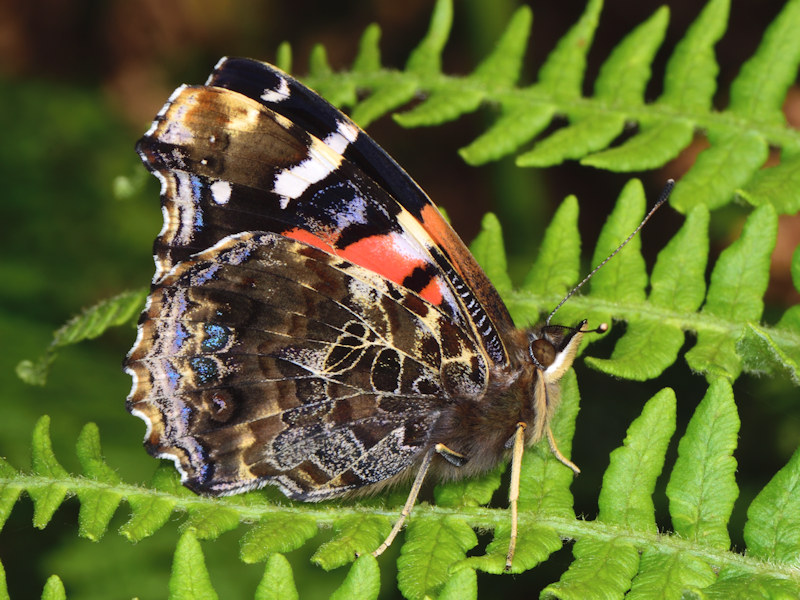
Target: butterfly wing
[[255, 150], [267, 360], [311, 312]]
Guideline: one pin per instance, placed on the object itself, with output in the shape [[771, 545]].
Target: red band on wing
[[433, 292], [301, 235], [378, 253]]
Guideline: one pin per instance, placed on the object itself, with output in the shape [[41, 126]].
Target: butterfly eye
[[543, 353]]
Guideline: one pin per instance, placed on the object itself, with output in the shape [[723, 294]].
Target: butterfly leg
[[454, 458], [412, 499], [513, 490], [561, 458]]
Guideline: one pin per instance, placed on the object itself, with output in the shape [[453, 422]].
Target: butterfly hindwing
[[265, 360]]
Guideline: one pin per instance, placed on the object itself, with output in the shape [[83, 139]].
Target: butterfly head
[[552, 348]]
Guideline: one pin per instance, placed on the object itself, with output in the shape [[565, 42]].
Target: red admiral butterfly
[[314, 323]]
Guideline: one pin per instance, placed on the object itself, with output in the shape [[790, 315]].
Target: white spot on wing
[[348, 130], [221, 192], [345, 134], [278, 95], [217, 67], [291, 183]]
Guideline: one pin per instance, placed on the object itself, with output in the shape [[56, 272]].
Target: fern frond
[[738, 282], [430, 549], [725, 326], [488, 250], [628, 483], [190, 579], [91, 323], [353, 535], [602, 569], [462, 585], [278, 580], [54, 589], [761, 354], [701, 492], [276, 533], [739, 135], [702, 488]]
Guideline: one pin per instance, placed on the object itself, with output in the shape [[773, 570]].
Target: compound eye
[[543, 353]]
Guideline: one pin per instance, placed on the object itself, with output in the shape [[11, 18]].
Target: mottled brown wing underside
[[229, 163], [264, 360]]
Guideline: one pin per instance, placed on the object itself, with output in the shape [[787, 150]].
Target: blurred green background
[[80, 81]]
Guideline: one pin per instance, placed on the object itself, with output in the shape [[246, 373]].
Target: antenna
[[661, 200]]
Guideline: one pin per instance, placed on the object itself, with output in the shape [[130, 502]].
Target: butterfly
[[314, 323]]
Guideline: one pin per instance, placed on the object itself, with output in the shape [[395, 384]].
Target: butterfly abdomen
[[481, 430]]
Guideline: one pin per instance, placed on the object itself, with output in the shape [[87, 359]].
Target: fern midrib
[[776, 135], [477, 517], [646, 311]]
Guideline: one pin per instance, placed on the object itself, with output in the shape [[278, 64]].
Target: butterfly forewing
[[234, 159], [285, 95]]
